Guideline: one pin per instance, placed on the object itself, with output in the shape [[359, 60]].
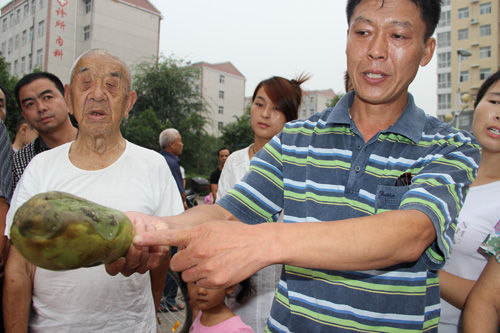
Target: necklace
[[253, 149]]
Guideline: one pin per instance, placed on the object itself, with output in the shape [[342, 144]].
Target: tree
[[8, 82], [238, 134], [334, 100], [169, 88], [143, 129], [167, 96]]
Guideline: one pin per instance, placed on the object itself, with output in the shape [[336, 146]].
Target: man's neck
[[370, 119], [96, 152], [62, 135]]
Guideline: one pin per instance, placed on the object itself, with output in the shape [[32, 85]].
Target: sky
[[263, 38]]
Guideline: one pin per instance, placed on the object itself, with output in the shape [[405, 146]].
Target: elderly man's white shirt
[[88, 299]]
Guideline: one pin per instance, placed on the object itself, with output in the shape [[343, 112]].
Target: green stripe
[[357, 284], [329, 200]]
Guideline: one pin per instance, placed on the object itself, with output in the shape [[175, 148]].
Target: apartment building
[[51, 34], [314, 101], [222, 87], [467, 53]]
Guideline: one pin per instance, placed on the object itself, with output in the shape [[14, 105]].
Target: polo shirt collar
[[410, 124]]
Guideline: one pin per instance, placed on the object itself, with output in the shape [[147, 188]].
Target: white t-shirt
[[479, 215], [256, 310], [89, 299], [236, 166]]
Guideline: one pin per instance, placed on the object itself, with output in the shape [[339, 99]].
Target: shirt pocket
[[389, 197]]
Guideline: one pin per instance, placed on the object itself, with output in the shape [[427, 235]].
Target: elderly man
[[379, 183], [100, 165]]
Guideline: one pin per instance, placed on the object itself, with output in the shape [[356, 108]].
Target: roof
[[226, 67], [10, 5], [144, 4], [329, 93]]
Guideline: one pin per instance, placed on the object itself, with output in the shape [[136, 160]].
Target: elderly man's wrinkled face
[[99, 95]]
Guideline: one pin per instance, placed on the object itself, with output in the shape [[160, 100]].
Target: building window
[[463, 12], [444, 21], [485, 8], [221, 79], [86, 32], [4, 48], [15, 67], [41, 28], [25, 37], [4, 24], [88, 6], [26, 10], [444, 80], [463, 34], [42, 4], [221, 110], [444, 39], [33, 7], [32, 34], [39, 58], [485, 52], [444, 101], [484, 73], [23, 64], [11, 20], [17, 42], [444, 59], [220, 125], [221, 94], [18, 16], [464, 76], [485, 30], [30, 62], [446, 2], [11, 45]]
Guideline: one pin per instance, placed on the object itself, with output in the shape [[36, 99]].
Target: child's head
[[207, 298]]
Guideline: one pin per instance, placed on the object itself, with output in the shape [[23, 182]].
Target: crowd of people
[[369, 216]]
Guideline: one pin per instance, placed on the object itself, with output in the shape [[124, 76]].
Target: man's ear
[[131, 99], [67, 98]]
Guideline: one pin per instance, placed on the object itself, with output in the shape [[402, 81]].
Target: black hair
[[245, 291], [223, 148], [485, 86], [430, 11], [27, 79], [5, 93], [20, 120]]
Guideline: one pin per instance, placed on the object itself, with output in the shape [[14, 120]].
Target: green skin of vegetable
[[60, 231]]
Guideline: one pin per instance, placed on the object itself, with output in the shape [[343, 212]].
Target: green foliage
[[169, 88], [8, 82], [143, 129], [334, 100], [238, 134], [167, 96]]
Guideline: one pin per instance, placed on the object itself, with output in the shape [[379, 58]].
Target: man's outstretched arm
[[222, 253]]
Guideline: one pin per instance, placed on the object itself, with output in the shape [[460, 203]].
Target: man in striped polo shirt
[[379, 183]]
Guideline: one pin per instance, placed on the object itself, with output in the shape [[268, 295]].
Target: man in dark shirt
[[222, 156], [171, 147], [41, 99]]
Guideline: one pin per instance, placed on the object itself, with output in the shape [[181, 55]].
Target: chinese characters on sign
[[59, 26]]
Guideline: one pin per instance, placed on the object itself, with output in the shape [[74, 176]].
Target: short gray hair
[[167, 136]]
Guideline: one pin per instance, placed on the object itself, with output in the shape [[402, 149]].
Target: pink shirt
[[232, 325]]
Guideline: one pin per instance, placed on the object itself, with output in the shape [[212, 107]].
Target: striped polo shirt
[[320, 169]]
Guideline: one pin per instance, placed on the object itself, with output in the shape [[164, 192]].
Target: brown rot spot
[[90, 214], [113, 220]]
